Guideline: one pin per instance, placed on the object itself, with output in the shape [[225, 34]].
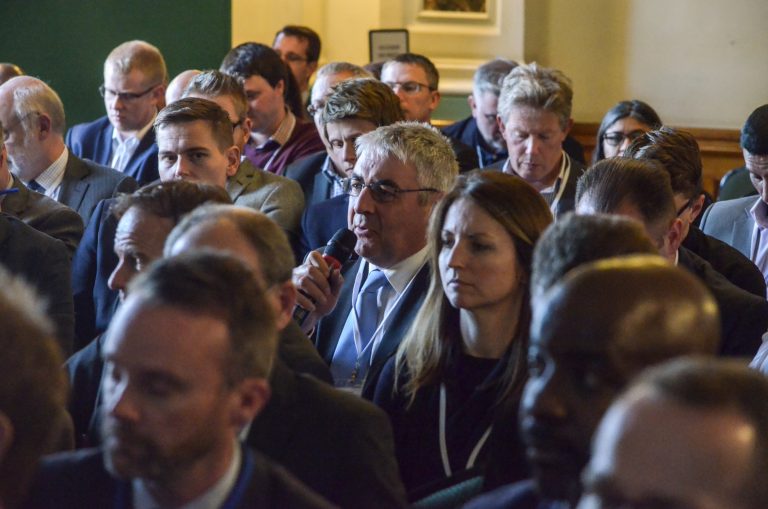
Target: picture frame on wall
[[386, 44]]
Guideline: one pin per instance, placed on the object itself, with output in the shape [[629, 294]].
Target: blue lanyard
[[123, 491]]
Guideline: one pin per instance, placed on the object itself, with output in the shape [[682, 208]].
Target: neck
[[261, 137], [52, 152], [550, 178], [488, 332], [186, 484]]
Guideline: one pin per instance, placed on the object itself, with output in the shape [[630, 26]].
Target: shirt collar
[[759, 213], [507, 168], [401, 273], [285, 129], [51, 177], [214, 497]]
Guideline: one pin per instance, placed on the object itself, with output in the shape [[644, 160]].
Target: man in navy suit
[[356, 107], [317, 174], [39, 157], [135, 77], [186, 367], [402, 171]]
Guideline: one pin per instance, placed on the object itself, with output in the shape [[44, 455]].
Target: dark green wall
[[65, 43]]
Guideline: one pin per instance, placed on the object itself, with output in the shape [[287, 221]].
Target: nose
[[543, 398], [624, 145], [532, 145], [364, 203], [350, 156], [456, 256], [118, 400], [120, 277], [181, 168]]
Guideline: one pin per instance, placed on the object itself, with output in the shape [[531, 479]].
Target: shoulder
[[72, 479], [306, 166], [728, 209], [520, 495], [457, 129], [87, 128], [274, 486]]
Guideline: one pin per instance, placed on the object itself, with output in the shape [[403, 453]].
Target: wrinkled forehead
[[756, 162]]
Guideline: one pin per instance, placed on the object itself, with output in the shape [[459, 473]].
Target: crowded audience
[[292, 285]]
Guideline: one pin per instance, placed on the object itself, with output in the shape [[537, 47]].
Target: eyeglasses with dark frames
[[617, 138], [685, 206], [409, 87], [383, 191], [110, 94]]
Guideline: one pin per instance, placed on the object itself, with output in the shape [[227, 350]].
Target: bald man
[[591, 333], [646, 453], [176, 87], [34, 116]]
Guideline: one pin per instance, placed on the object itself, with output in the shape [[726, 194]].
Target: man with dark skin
[[591, 333]]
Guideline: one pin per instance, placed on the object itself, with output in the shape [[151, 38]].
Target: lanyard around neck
[[444, 445]]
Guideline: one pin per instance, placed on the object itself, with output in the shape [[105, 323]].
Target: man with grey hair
[[480, 130], [690, 433], [356, 107], [535, 118], [135, 77], [36, 210], [402, 171], [34, 116], [317, 174]]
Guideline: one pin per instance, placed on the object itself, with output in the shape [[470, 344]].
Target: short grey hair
[[489, 77], [415, 143], [37, 97], [332, 68], [537, 87]]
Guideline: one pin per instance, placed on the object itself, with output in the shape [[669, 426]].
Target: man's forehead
[[412, 71], [387, 168], [756, 162], [194, 133]]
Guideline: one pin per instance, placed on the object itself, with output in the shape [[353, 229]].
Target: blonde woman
[[465, 355]]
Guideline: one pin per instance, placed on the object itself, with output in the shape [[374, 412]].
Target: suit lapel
[[741, 234], [103, 149], [73, 185], [132, 168], [321, 190], [237, 184]]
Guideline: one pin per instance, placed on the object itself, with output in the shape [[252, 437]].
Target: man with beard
[[186, 367]]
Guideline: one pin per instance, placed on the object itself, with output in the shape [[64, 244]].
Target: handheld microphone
[[336, 253]]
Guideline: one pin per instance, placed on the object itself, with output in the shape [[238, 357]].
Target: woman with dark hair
[[622, 124], [465, 355]]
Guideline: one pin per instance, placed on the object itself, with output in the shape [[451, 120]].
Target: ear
[[248, 400], [247, 124], [280, 87], [674, 236], [285, 295], [44, 126], [233, 160], [6, 435], [568, 127], [158, 96], [696, 207], [471, 102], [435, 100], [502, 129]]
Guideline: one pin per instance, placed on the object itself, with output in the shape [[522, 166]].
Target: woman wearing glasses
[[465, 355], [622, 124]]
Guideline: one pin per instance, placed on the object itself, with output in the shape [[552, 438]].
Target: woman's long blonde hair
[[434, 338]]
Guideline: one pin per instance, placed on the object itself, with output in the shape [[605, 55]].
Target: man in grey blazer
[[743, 222], [33, 116], [280, 198]]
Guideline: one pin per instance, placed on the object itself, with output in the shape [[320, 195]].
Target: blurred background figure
[[622, 124]]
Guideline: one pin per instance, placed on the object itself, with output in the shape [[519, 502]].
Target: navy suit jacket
[[86, 183], [92, 265], [320, 222], [329, 328], [78, 479], [307, 171], [93, 141]]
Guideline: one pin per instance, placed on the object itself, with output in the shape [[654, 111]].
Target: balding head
[[33, 119], [647, 453], [591, 333], [176, 87]]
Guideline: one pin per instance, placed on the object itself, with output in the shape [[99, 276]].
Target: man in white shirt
[[135, 78], [34, 118]]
